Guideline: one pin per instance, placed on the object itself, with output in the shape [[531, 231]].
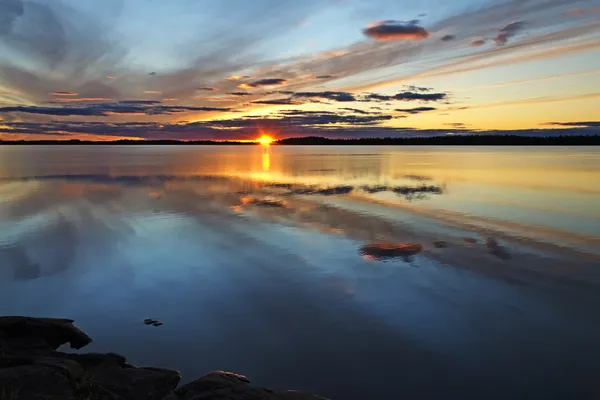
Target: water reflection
[[253, 255]]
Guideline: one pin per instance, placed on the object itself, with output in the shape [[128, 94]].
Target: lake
[[254, 259]]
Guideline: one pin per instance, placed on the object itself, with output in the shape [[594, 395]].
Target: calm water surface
[[250, 256]]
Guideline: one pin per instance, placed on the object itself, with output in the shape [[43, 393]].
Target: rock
[[35, 382], [153, 322], [134, 383], [32, 369], [440, 244], [230, 386], [496, 249], [390, 250], [25, 332]]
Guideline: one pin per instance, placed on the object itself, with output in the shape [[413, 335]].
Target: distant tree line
[[446, 140]]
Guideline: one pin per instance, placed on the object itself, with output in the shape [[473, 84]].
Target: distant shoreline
[[454, 140]]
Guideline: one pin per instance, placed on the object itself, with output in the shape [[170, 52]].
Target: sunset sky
[[229, 69]]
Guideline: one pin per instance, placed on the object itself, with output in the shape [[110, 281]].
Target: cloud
[[64, 94], [478, 42], [324, 76], [263, 82], [327, 95], [457, 125], [416, 110], [152, 92], [136, 107], [447, 38], [396, 30], [406, 96], [152, 73], [236, 77], [276, 101], [412, 96], [585, 124], [207, 89], [240, 94], [80, 99], [508, 32]]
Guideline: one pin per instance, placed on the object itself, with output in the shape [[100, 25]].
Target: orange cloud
[[478, 42], [152, 92]]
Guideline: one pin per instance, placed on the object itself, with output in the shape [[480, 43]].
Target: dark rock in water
[[440, 244], [153, 322], [335, 190], [268, 203], [381, 251], [496, 249], [31, 368], [226, 385]]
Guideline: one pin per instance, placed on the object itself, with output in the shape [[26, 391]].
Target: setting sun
[[265, 140]]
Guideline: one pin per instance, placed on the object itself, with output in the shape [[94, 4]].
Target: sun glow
[[265, 140]]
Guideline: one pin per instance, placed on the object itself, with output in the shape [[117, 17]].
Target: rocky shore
[[32, 368]]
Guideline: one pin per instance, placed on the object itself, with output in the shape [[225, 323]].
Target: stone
[[23, 331], [230, 386], [391, 250], [32, 369], [440, 244], [496, 249]]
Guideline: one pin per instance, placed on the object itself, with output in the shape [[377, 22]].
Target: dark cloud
[[588, 124], [324, 76], [327, 95], [447, 38], [207, 89], [396, 30], [412, 96], [148, 107], [264, 82], [508, 32], [140, 102], [152, 73], [458, 125], [276, 102], [415, 110], [240, 93], [424, 95], [357, 111]]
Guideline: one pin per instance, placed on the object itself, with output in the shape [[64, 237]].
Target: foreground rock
[[31, 368]]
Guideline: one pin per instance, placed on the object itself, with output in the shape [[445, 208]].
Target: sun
[[265, 140]]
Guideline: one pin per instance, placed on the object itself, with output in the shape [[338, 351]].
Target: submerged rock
[[31, 368], [391, 250], [153, 322], [496, 249]]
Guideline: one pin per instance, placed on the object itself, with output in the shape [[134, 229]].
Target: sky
[[234, 69]]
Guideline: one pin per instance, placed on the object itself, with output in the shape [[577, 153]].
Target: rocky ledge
[[31, 368]]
